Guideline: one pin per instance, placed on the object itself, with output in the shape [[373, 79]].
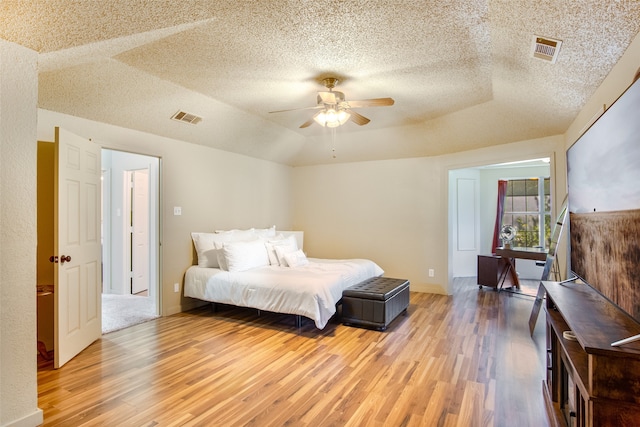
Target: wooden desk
[[523, 253], [493, 271]]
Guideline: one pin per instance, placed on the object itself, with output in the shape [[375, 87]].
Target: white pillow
[[237, 235], [250, 233], [222, 261], [288, 244], [296, 258], [265, 233], [220, 238], [241, 256], [206, 249]]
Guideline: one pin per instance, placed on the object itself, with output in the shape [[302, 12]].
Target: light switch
[[177, 210]]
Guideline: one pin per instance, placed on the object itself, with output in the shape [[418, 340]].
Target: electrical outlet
[[176, 287], [177, 210], [432, 272]]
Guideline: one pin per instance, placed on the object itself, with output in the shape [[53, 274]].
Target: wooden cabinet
[[590, 383]]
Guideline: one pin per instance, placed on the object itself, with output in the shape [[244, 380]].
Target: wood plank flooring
[[460, 360]]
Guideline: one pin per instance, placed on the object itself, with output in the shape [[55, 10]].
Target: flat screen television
[[603, 177]]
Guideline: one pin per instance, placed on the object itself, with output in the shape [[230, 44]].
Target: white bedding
[[311, 290]]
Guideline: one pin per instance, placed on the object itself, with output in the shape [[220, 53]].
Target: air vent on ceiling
[[185, 117], [546, 49]]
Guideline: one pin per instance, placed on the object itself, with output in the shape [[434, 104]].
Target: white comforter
[[311, 290]]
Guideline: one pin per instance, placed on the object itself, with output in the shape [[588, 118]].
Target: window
[[527, 206]]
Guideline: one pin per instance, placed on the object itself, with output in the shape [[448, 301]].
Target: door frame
[[105, 226]]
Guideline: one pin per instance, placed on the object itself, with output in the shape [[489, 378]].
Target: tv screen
[[603, 177]]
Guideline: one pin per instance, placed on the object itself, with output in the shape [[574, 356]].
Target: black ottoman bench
[[375, 302]]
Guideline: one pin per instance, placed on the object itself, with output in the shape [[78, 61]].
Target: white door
[[140, 231], [77, 268]]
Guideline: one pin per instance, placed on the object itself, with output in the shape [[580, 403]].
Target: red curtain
[[502, 192]]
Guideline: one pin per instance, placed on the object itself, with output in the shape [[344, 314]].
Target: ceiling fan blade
[[317, 107], [358, 119], [308, 122], [376, 102]]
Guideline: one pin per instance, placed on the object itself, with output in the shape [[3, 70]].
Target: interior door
[[77, 258], [140, 231]]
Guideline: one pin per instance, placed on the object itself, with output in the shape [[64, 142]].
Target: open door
[[77, 257], [139, 234]]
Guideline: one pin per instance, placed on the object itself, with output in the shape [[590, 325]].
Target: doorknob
[[63, 259]]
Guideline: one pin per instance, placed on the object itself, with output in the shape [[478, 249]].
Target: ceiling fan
[[335, 110]]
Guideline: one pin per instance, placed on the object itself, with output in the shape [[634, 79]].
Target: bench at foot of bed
[[375, 302]]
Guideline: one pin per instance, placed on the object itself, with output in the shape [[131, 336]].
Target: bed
[[269, 272]]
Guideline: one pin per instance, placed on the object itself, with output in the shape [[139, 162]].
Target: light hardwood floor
[[460, 360]]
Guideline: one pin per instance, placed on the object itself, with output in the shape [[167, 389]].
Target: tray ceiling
[[462, 73]]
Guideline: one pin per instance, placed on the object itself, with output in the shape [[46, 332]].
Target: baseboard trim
[[36, 418], [427, 288], [184, 307]]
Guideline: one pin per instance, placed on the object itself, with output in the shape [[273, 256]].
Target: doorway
[[472, 210], [130, 239]]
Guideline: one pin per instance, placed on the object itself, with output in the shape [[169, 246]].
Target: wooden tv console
[[590, 383]]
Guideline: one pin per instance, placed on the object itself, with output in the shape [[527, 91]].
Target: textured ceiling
[[461, 72]]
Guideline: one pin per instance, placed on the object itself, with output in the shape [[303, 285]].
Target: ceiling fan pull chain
[[333, 143]]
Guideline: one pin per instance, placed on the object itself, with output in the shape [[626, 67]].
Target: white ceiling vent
[[546, 49], [185, 117]]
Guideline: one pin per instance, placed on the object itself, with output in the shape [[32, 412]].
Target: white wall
[[18, 153], [215, 189], [387, 211]]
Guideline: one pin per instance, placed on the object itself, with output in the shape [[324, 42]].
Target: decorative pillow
[[296, 258], [287, 244], [271, 250], [288, 247], [206, 249], [241, 256]]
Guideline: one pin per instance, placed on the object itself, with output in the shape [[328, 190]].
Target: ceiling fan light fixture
[[329, 117], [343, 116], [321, 118]]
